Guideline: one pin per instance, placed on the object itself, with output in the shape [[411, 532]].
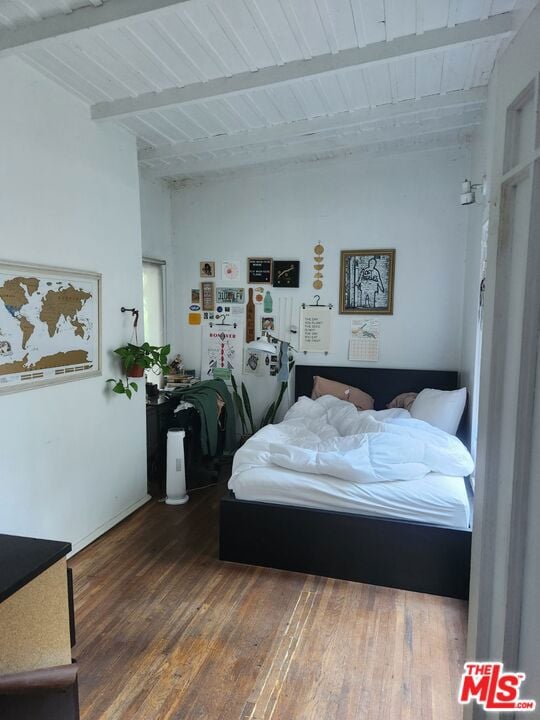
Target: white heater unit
[[176, 468]]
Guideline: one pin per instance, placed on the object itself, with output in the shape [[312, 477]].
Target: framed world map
[[49, 326]]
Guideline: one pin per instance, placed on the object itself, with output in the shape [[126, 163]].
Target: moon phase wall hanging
[[318, 266]]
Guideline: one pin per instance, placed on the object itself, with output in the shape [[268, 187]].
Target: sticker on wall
[[196, 296], [230, 295], [230, 270], [258, 295], [194, 307], [194, 318]]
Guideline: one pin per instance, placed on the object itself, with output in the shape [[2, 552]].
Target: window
[[154, 321]]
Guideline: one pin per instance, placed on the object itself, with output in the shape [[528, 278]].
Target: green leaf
[[134, 386], [247, 405], [128, 392], [267, 416], [240, 409]]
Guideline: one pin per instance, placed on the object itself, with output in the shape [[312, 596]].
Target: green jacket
[[203, 397]]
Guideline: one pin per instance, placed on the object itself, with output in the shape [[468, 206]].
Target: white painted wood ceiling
[[208, 85]]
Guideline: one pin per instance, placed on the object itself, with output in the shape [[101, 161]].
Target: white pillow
[[441, 408]]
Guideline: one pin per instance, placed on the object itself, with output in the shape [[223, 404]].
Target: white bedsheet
[[435, 499], [327, 455]]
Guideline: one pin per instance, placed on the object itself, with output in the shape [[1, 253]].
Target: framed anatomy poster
[[367, 282], [49, 325]]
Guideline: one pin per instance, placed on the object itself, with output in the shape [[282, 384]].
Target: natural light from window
[[154, 330]]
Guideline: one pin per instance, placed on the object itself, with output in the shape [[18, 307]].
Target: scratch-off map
[[49, 326]]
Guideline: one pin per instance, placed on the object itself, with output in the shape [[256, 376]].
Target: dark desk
[[160, 417]]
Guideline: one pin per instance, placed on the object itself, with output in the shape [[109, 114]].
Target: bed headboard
[[382, 384]]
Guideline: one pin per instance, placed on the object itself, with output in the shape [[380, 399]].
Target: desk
[[160, 417]]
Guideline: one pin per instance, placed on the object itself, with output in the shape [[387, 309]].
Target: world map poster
[[49, 325]]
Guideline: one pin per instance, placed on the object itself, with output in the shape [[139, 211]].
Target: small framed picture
[[196, 295], [367, 282], [207, 268], [207, 293], [267, 323], [260, 270], [287, 273]]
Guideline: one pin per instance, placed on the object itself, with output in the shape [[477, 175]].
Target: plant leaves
[[247, 405]]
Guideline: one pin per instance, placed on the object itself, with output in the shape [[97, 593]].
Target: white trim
[[432, 40], [109, 13], [102, 529], [313, 147], [284, 131]]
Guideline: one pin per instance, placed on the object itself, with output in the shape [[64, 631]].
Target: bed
[[412, 534]]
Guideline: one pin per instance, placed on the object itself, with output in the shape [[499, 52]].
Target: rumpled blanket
[[328, 436]]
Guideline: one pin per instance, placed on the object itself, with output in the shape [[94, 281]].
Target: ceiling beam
[[310, 147], [432, 40], [286, 131], [92, 16]]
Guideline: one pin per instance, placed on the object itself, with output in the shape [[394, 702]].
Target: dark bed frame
[[375, 550]]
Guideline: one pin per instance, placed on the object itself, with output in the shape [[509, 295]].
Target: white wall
[[72, 456], [408, 202]]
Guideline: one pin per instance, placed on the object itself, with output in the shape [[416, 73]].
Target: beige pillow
[[322, 386], [405, 400]]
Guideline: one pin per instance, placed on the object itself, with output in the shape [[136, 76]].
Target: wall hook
[[135, 314]]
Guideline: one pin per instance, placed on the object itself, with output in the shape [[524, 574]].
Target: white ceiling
[[211, 85]]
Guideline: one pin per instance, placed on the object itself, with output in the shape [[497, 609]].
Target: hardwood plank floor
[[167, 632]]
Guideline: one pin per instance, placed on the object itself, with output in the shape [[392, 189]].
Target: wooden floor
[[167, 631]]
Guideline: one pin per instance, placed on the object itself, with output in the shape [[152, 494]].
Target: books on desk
[[179, 382]]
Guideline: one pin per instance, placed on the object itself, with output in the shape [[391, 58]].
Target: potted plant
[[243, 407], [135, 360]]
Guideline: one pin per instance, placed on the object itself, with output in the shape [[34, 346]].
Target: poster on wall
[[49, 326], [315, 328], [367, 282], [222, 351]]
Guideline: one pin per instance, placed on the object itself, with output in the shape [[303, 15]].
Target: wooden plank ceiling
[[210, 85]]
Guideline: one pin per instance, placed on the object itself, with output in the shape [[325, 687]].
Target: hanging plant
[[135, 360]]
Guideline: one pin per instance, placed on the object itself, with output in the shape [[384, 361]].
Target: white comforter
[[330, 437]]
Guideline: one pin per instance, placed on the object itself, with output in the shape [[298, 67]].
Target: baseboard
[[102, 529]]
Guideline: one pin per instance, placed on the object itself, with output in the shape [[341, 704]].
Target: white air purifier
[[176, 468]]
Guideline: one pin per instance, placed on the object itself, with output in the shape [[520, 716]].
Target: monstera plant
[[135, 360]]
